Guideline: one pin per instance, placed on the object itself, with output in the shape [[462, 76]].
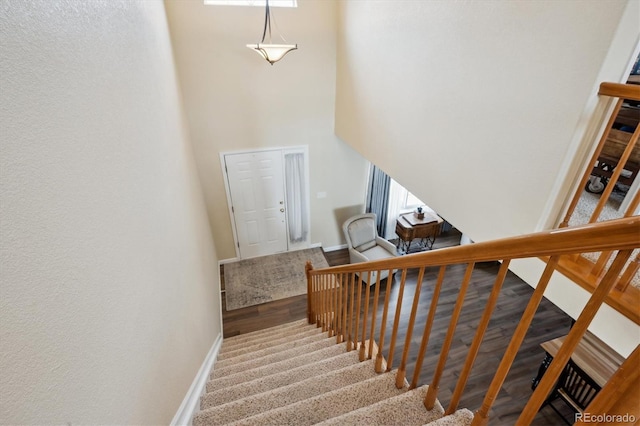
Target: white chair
[[365, 244]]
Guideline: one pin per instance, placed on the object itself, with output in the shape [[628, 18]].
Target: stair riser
[[222, 382], [327, 405], [405, 409], [270, 359], [241, 338], [253, 346], [296, 342], [462, 417], [257, 404], [274, 381]]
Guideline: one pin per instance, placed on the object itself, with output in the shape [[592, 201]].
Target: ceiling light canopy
[[269, 51]]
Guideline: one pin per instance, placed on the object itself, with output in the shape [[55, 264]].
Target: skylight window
[[259, 3]]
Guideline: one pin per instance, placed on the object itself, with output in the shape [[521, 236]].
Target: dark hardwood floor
[[549, 322]]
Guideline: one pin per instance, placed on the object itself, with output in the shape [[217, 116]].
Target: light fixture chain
[[275, 24], [267, 22]]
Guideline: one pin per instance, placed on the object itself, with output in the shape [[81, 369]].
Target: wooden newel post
[[310, 315]]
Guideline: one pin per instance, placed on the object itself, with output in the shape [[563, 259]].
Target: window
[[260, 3], [400, 201], [411, 202]]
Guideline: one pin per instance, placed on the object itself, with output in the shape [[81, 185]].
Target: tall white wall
[[234, 100], [471, 105], [108, 273], [480, 108]]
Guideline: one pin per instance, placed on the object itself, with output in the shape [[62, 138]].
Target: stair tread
[[266, 331], [461, 417], [287, 395], [284, 378], [331, 404], [272, 350], [404, 409], [270, 359], [259, 344], [224, 380]]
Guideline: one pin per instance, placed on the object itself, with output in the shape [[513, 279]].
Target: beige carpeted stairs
[[293, 374]]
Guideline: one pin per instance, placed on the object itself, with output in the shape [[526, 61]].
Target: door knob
[[282, 210]]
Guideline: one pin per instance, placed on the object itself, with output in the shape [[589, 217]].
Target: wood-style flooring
[[549, 322]]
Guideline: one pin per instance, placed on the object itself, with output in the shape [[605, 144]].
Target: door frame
[[304, 149]]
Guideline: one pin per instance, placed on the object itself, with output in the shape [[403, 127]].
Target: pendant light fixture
[[271, 52]]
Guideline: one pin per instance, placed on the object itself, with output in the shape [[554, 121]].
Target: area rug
[[259, 280], [582, 214]]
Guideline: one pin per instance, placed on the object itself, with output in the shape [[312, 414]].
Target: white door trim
[[284, 150]]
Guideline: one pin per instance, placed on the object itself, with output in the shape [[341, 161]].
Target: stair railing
[[613, 143], [336, 304]]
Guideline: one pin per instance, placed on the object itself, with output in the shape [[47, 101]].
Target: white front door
[[256, 188]]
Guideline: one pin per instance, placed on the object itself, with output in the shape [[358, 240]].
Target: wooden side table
[[592, 355], [409, 228], [591, 365]]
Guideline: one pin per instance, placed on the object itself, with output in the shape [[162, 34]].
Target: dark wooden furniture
[[409, 228], [591, 365], [608, 160]]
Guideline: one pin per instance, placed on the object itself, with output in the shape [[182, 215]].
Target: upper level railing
[[608, 177], [337, 303]]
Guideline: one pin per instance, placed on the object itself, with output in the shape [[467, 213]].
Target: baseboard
[[334, 248], [191, 402], [314, 245]]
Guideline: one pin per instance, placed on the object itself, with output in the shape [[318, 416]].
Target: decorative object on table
[[269, 51], [263, 279], [419, 213]]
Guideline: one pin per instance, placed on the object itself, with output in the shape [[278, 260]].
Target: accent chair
[[365, 244]]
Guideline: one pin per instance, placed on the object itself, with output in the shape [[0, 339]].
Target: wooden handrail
[[619, 90], [617, 234], [338, 308]]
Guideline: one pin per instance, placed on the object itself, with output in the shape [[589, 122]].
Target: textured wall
[[234, 100], [471, 105], [108, 274]]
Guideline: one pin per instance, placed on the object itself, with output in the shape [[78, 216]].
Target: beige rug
[[251, 282], [582, 214]]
